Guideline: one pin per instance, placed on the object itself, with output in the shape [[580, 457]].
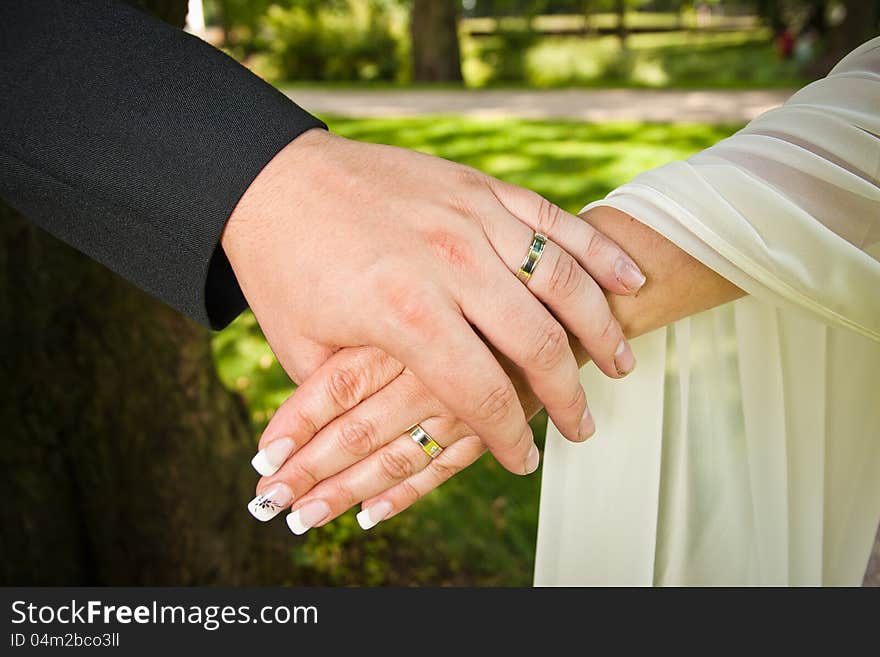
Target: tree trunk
[[586, 10], [859, 25], [435, 49], [620, 10], [125, 461]]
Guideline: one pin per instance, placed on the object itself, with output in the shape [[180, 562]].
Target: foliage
[[741, 58], [342, 40], [352, 42], [479, 528]]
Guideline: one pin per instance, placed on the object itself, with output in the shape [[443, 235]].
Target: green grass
[[478, 529]]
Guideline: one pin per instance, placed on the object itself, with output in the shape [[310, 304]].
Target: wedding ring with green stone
[[533, 257]]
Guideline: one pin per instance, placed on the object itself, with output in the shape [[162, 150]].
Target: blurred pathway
[[584, 104]]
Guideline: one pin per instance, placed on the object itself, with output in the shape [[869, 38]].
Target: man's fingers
[[519, 326], [443, 351], [346, 378], [578, 302], [600, 256], [301, 357], [450, 462]]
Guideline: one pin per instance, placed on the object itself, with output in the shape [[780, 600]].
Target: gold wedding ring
[[533, 257], [424, 440]]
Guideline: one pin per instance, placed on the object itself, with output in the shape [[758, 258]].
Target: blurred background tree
[[434, 36], [651, 43], [125, 459]]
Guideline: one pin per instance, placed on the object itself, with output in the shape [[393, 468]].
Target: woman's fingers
[[450, 462], [392, 464], [353, 437], [602, 258], [346, 378]]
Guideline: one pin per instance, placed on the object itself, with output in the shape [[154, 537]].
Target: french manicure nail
[[587, 427], [372, 516], [269, 503], [533, 459], [272, 456], [624, 360], [307, 516], [628, 274]]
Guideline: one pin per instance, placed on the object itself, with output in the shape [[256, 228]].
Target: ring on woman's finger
[[424, 440], [533, 257]]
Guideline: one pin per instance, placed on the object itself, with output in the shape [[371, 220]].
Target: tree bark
[[125, 460], [858, 26], [435, 50], [620, 10]]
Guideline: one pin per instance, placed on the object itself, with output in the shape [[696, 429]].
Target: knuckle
[[444, 469], [497, 404], [344, 386], [550, 346], [451, 249], [549, 216], [303, 419], [409, 309], [524, 442], [464, 206], [473, 446], [409, 492], [596, 245], [357, 437], [471, 178], [396, 465], [610, 329], [565, 278], [304, 476], [342, 493], [417, 395], [578, 398]]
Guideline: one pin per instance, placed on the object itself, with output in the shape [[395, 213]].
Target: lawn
[[478, 529]]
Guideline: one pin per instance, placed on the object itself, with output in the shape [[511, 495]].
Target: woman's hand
[[339, 243], [323, 457]]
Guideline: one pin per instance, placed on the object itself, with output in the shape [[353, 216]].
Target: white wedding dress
[[745, 447]]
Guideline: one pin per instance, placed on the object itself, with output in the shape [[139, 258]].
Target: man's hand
[[322, 460], [339, 244]]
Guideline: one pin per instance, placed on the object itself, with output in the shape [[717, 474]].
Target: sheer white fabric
[[745, 447]]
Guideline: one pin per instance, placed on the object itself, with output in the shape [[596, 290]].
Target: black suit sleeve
[[133, 141]]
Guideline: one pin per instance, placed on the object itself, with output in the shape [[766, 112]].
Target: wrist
[[269, 194]]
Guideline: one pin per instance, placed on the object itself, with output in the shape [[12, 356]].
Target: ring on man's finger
[[533, 257]]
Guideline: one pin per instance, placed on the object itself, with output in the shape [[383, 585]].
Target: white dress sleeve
[[788, 208], [745, 446]]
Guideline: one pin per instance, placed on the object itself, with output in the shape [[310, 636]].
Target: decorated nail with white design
[[307, 516], [270, 502], [272, 456], [372, 516]]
